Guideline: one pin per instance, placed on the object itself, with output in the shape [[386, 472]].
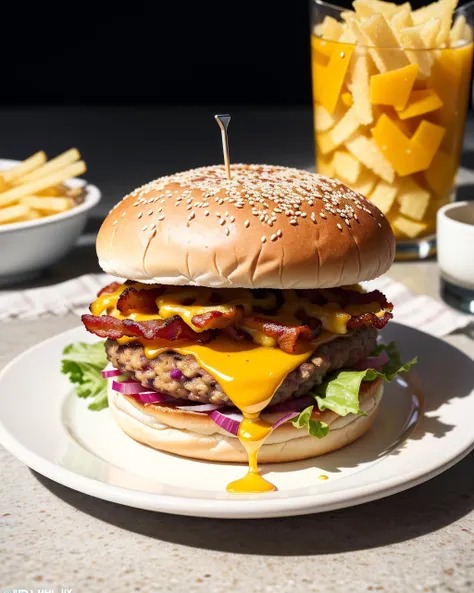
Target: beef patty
[[181, 376]]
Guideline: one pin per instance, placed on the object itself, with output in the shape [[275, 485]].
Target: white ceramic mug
[[455, 244]]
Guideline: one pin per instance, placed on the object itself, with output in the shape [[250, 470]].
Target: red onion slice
[[229, 421], [111, 373], [151, 397], [373, 362], [200, 407], [294, 405], [128, 387], [284, 419]]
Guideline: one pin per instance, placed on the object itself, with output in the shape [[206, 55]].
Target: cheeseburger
[[241, 331]]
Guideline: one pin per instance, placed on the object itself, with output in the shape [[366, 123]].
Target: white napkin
[[74, 296], [420, 311]]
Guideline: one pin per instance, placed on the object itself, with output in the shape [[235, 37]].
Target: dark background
[[166, 52]]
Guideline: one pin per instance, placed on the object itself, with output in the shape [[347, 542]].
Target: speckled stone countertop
[[50, 536]]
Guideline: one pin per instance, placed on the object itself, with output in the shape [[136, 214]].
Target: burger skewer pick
[[223, 121], [242, 331]]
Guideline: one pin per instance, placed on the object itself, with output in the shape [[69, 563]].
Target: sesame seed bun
[[268, 227], [195, 435]]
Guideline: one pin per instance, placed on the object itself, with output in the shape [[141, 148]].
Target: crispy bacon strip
[[143, 300], [218, 319], [369, 320], [174, 328], [352, 297], [285, 335], [109, 288]]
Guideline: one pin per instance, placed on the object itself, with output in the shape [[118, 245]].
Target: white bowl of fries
[[43, 210]]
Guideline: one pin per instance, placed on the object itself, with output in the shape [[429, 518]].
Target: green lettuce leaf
[[340, 391], [83, 364], [316, 428]]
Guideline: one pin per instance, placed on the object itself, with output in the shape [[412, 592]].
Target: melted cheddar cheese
[[249, 373]]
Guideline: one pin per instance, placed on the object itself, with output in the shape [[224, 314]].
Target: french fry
[[407, 227], [331, 29], [344, 128], [25, 167], [49, 205], [365, 183], [379, 35], [411, 37], [346, 166], [457, 31], [446, 14], [401, 20], [367, 8], [324, 120], [348, 15], [15, 194], [13, 213], [413, 199], [61, 161], [426, 13], [347, 37], [429, 32], [384, 195], [359, 86], [367, 151], [33, 215]]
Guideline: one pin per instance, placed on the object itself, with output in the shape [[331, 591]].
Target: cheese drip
[[249, 375]]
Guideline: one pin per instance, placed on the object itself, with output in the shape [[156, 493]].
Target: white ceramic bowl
[[28, 247]]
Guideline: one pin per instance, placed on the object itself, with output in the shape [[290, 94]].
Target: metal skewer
[[223, 121]]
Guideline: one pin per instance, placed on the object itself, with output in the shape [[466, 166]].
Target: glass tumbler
[[389, 121]]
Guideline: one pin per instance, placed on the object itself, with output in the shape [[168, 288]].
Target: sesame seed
[[274, 237], [232, 219], [379, 224], [140, 214], [343, 55], [339, 226], [222, 222], [279, 233], [115, 222], [191, 216], [347, 221], [150, 212], [293, 221], [263, 239], [162, 217], [247, 224], [322, 215], [123, 214], [227, 232], [206, 213], [144, 227]]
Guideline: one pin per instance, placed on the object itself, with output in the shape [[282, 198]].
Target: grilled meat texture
[[194, 383]]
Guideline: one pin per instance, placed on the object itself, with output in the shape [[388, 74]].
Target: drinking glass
[[389, 121]]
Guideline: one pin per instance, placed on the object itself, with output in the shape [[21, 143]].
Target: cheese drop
[[249, 374]]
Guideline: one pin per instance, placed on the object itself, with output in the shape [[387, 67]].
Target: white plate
[[53, 432]]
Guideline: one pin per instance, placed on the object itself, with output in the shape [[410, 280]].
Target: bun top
[[267, 227]]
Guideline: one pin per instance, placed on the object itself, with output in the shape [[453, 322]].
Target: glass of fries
[[390, 93]]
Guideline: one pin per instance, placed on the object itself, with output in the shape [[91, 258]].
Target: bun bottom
[[194, 435]]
